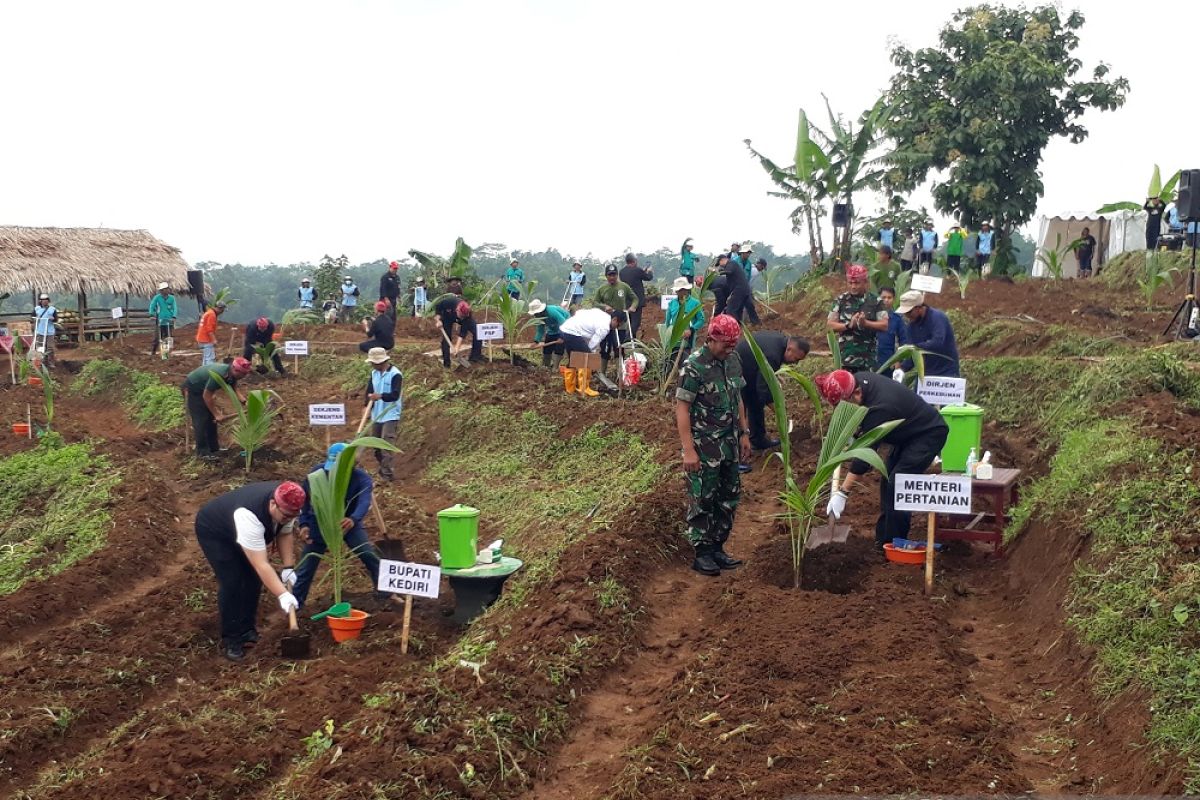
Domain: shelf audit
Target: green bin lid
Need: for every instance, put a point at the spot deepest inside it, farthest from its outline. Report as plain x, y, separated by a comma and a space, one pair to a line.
458, 511
965, 410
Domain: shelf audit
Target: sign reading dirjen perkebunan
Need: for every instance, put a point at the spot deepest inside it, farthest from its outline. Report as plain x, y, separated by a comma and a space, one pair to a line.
940, 494
943, 391
402, 577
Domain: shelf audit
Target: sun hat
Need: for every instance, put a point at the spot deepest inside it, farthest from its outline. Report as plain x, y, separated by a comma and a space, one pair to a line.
536, 306
910, 300
378, 355
835, 386
43, 297
332, 454
746, 248
163, 285
514, 261
240, 367
290, 497
681, 284
347, 278
306, 280
725, 328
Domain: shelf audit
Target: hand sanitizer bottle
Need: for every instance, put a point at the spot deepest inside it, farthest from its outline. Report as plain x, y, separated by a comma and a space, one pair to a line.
971, 461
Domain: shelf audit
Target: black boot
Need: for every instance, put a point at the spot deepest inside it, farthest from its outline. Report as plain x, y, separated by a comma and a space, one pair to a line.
235, 651
704, 563
724, 560
764, 443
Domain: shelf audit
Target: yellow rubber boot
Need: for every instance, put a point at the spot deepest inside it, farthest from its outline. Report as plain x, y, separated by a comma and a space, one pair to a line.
568, 379
584, 379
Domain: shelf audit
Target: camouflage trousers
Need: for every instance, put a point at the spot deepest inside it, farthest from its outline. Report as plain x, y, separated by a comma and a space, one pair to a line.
713, 494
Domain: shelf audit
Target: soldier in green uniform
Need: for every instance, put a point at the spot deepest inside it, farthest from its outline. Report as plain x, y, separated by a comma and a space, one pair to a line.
857, 317
715, 438
613, 297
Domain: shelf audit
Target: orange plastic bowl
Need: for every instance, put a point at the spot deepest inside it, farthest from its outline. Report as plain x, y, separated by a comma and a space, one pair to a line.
900, 556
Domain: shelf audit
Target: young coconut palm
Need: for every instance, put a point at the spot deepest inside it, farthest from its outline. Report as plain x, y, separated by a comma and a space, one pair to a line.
264, 353
253, 419
510, 311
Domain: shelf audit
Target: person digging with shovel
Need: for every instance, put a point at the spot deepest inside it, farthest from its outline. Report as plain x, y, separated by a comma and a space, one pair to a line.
586, 330
383, 395
310, 536
202, 391
915, 442
234, 531
258, 333
711, 421
547, 334
778, 349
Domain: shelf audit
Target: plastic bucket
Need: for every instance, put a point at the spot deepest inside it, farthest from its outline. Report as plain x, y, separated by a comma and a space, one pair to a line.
346, 628
21, 428
34, 380
458, 536
966, 431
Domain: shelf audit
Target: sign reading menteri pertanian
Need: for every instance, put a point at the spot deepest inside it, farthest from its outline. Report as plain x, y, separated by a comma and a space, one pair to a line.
941, 494
327, 414
402, 577
943, 391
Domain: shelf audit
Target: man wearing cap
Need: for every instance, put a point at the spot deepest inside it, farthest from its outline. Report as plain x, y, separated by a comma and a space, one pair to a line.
681, 306
358, 503
547, 332
515, 276
389, 284
381, 329
202, 390
206, 332
687, 261
235, 531
163, 310
44, 330
714, 437
742, 257
983, 248
929, 329
586, 330
306, 294
446, 312
857, 317
576, 280
350, 296
615, 296
260, 333
420, 297
383, 395
740, 299
915, 441
635, 277
778, 349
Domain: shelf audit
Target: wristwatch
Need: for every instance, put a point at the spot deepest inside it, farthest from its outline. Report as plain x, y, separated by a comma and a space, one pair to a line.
745, 432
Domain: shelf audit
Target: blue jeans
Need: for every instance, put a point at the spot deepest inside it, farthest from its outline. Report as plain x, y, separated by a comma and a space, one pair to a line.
208, 354
306, 567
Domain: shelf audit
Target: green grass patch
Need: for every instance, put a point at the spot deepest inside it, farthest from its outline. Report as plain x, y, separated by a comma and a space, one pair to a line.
54, 511
1061, 340
1013, 390
1124, 271
996, 331
154, 405
350, 373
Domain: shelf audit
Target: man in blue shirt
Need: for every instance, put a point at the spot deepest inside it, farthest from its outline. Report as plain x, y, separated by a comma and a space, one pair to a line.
895, 335
929, 243
887, 235
929, 329
983, 249
44, 318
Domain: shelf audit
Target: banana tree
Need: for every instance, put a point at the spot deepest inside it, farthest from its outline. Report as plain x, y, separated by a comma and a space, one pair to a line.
439, 268
254, 419
1164, 192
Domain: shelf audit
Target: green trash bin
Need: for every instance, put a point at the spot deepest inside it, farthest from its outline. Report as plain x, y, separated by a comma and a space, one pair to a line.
458, 536
966, 431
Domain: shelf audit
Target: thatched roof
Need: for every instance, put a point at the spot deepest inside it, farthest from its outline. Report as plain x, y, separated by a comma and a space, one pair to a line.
90, 259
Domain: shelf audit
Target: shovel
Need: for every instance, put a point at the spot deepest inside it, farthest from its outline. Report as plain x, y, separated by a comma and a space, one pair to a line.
335, 610
454, 357
295, 644
829, 532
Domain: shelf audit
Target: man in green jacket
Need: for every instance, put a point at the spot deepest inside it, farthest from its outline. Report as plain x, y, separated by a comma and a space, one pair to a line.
163, 309
614, 297
955, 240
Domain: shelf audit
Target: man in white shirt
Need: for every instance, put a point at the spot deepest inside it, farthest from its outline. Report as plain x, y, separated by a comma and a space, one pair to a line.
583, 333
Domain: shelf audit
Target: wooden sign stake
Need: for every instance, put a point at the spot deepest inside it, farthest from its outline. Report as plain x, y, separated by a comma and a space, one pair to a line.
407, 621
930, 525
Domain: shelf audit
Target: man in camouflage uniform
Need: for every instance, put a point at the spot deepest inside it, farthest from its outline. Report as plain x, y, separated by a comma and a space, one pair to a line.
857, 317
614, 297
715, 438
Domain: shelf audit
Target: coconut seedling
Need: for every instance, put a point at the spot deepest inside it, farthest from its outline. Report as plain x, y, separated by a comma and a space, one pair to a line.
264, 352
327, 494
254, 419
48, 396
510, 310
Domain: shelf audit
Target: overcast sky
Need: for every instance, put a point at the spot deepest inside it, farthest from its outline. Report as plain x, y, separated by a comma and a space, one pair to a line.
261, 132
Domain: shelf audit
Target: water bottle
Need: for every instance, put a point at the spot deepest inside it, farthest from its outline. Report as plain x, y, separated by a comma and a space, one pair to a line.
1195, 318
971, 461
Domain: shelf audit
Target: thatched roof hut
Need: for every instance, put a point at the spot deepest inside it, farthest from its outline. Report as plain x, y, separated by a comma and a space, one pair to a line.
84, 260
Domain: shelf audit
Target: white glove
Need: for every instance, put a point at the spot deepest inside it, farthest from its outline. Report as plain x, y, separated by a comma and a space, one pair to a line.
898, 375
287, 602
288, 576
837, 505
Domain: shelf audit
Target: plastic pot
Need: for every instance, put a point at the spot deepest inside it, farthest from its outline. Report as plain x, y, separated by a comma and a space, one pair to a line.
21, 428
901, 556
35, 380
346, 628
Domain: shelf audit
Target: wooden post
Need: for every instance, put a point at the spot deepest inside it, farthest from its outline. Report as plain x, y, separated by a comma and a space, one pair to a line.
82, 316
123, 322
930, 525
407, 621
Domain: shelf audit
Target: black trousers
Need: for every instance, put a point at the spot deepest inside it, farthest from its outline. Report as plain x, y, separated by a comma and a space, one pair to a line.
476, 345
635, 319
610, 346
238, 585
248, 354
953, 262
204, 425
721, 293
365, 347
754, 413
554, 346
911, 458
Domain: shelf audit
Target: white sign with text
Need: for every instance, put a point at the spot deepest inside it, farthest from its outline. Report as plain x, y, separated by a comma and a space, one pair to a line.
941, 494
489, 331
295, 348
943, 391
118, 312
327, 414
401, 577
926, 283
666, 301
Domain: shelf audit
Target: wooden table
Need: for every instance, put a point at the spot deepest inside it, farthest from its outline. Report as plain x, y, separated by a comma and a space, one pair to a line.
984, 526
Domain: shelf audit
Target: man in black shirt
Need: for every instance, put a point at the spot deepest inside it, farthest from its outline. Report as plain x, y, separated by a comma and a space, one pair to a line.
915, 442
778, 349
258, 333
739, 299
1084, 253
389, 285
635, 276
1154, 209
452, 309
382, 329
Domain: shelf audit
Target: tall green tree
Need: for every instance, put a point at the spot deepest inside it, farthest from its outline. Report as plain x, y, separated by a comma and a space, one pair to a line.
980, 107
329, 276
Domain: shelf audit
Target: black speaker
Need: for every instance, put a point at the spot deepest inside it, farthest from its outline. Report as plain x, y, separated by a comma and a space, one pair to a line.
841, 215
1188, 203
196, 281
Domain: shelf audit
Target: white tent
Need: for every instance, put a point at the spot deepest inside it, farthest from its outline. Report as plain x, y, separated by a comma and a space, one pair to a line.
1115, 233
1127, 232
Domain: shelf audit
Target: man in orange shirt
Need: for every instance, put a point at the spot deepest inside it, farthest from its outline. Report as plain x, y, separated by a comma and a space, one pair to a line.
206, 334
